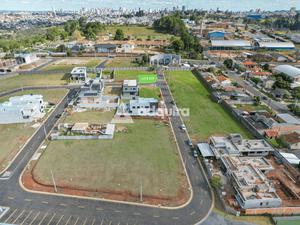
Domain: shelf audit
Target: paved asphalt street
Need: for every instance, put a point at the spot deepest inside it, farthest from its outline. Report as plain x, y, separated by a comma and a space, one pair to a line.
32, 208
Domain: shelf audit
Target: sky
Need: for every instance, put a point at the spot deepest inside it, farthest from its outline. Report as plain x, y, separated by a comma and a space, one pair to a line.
235, 5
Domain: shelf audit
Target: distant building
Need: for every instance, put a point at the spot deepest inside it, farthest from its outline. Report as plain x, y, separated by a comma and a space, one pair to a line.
79, 74
130, 89
165, 59
230, 44
105, 48
275, 45
22, 109
26, 58
126, 48
254, 17
216, 35
292, 72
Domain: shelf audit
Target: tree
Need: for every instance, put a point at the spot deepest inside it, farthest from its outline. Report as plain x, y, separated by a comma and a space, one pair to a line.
76, 36
257, 100
119, 34
178, 45
215, 181
228, 63
266, 67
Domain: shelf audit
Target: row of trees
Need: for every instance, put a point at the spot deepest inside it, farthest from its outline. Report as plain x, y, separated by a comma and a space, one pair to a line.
292, 23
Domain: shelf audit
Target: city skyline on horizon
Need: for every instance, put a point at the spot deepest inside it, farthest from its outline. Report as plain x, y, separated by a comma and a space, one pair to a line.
75, 5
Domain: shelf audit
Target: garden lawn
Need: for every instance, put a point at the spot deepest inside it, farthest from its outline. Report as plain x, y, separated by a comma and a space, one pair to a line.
144, 154
69, 63
14, 136
31, 80
130, 74
207, 117
121, 62
149, 92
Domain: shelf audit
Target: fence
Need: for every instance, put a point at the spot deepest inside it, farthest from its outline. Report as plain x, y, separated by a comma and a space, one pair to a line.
81, 137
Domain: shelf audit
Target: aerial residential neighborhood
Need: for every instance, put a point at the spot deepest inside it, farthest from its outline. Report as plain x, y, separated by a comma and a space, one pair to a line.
149, 113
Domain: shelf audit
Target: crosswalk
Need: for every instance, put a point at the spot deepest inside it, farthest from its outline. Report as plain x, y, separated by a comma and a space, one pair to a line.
34, 217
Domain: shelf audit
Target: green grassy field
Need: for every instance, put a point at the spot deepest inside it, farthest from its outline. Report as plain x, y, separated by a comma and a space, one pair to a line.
149, 92
121, 62
130, 74
31, 80
250, 108
71, 63
145, 153
287, 222
89, 117
206, 117
137, 32
14, 136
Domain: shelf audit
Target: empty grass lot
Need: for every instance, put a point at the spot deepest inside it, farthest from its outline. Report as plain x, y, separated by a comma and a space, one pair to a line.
145, 154
121, 62
31, 80
137, 32
14, 136
206, 117
69, 63
149, 92
129, 74
91, 116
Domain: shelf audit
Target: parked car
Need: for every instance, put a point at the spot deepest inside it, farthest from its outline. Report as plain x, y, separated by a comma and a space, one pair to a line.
189, 142
195, 154
182, 127
57, 116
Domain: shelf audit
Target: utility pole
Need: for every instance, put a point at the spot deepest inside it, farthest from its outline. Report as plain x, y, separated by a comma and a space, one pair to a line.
54, 184
141, 192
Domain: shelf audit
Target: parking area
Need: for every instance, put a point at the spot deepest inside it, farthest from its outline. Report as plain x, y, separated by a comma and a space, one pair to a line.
33, 217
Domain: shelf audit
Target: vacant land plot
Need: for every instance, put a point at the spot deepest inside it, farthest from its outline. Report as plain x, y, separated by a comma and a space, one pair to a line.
121, 62
142, 153
150, 92
137, 32
70, 63
14, 136
206, 117
249, 107
91, 116
31, 80
129, 74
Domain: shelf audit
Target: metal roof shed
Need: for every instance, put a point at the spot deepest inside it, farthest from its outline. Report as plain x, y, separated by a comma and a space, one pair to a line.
205, 150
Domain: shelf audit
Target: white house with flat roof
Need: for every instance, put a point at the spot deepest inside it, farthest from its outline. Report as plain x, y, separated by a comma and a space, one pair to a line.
22, 109
26, 58
79, 74
130, 89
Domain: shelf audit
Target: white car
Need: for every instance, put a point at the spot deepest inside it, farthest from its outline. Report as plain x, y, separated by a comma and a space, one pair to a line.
182, 127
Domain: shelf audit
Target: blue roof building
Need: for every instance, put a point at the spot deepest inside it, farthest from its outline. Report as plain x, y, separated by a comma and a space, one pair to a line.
216, 35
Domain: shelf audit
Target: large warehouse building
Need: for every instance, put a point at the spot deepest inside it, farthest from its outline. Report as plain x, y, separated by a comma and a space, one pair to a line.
230, 44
